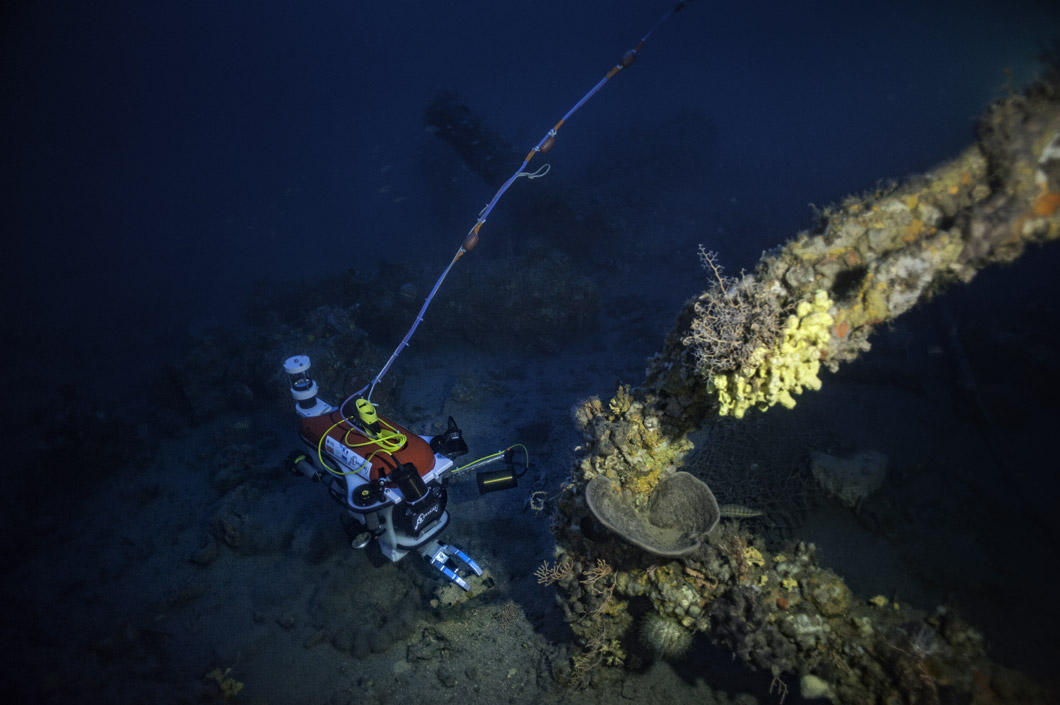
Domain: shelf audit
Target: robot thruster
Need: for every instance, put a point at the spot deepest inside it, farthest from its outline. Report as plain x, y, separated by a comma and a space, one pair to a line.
391, 481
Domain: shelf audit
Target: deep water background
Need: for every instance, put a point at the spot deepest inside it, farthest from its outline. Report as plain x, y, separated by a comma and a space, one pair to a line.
160, 157
162, 162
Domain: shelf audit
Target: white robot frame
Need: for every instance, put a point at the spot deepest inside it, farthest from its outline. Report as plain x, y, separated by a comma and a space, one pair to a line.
372, 503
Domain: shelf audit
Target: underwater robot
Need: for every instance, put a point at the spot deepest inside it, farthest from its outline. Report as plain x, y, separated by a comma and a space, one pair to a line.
391, 481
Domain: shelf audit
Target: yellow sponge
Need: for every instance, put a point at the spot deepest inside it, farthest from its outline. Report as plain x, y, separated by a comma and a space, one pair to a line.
774, 375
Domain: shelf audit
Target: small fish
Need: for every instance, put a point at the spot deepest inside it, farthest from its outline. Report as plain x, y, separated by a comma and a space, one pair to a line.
738, 511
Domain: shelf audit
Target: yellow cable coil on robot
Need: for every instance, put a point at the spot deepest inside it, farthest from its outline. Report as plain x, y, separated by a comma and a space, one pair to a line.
389, 442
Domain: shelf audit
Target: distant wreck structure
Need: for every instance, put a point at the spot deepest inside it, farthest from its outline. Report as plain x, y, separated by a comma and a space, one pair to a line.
869, 260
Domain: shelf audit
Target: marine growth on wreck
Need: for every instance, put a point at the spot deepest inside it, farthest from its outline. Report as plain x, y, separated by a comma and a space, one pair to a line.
870, 258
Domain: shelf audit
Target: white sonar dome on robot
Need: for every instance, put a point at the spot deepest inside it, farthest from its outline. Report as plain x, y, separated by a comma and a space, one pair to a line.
296, 364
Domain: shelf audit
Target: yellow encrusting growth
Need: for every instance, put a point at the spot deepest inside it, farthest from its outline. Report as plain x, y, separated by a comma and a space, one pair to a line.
229, 686
752, 556
776, 374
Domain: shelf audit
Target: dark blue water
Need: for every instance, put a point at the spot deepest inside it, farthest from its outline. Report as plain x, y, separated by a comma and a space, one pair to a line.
159, 158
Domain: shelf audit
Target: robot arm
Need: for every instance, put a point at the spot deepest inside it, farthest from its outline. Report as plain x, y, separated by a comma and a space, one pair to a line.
439, 554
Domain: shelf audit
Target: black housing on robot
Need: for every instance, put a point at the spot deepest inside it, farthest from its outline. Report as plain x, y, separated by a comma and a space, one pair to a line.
450, 442
407, 479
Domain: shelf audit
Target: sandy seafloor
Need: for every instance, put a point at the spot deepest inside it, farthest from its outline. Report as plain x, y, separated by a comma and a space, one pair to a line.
108, 605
